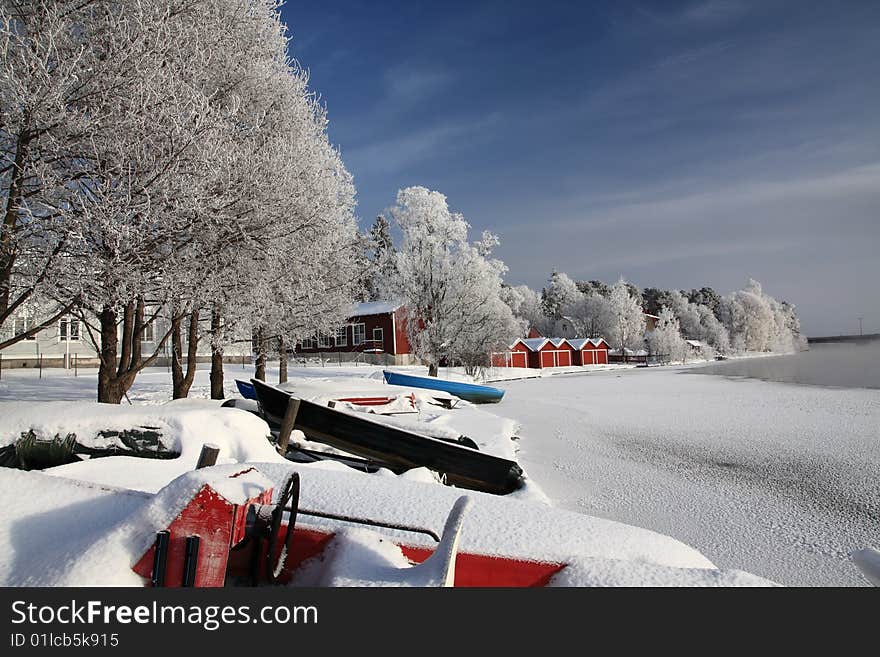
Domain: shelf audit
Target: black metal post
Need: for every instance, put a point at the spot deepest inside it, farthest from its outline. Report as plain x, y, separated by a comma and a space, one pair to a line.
160, 558
191, 561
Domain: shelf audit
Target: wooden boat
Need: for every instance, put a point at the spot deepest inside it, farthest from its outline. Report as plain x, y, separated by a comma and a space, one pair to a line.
245, 389
402, 450
468, 391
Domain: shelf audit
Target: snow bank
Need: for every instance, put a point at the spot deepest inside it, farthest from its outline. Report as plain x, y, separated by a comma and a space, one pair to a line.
185, 426
59, 532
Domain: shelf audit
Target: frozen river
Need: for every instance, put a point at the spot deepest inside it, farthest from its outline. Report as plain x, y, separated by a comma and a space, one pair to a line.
776, 479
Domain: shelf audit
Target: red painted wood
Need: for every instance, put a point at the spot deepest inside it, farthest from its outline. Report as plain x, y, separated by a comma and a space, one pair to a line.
368, 401
211, 518
471, 570
220, 526
481, 570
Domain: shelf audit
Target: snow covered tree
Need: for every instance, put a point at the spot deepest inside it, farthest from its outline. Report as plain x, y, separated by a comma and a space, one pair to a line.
665, 340
526, 306
627, 330
591, 314
560, 292
705, 296
162, 158
756, 321
452, 289
61, 65
381, 255
594, 287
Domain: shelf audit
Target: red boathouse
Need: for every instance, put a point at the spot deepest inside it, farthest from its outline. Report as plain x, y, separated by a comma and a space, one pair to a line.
589, 351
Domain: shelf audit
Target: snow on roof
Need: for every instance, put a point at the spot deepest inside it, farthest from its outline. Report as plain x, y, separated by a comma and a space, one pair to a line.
375, 308
534, 344
580, 343
694, 343
557, 342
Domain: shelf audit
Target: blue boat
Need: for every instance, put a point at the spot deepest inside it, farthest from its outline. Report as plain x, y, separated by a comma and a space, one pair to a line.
246, 389
467, 391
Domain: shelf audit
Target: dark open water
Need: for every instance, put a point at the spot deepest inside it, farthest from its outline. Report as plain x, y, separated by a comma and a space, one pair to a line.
845, 365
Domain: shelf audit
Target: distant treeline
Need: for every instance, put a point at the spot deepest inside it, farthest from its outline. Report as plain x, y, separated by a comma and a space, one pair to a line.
744, 320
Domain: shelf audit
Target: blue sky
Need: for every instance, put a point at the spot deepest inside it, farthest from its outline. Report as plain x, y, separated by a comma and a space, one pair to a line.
678, 144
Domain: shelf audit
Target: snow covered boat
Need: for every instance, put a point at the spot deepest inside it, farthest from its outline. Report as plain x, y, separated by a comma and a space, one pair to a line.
468, 391
403, 450
244, 524
247, 391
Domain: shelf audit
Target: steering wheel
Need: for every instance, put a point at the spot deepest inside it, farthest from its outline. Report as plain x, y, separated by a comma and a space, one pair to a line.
289, 496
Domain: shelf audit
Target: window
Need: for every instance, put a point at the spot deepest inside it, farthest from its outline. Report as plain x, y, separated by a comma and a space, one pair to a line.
68, 330
359, 333
378, 338
308, 343
342, 336
21, 324
324, 341
149, 332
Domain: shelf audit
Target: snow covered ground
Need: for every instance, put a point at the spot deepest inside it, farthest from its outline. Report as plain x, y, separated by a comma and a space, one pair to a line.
778, 480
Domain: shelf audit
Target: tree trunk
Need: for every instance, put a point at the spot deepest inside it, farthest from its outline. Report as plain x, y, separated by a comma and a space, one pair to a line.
182, 382
432, 369
114, 380
176, 355
282, 361
216, 355
260, 362
110, 390
8, 251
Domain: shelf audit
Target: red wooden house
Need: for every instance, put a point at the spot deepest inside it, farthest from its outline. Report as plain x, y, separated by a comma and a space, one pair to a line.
589, 351
376, 327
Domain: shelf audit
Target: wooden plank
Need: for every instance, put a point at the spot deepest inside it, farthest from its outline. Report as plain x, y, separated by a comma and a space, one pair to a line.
288, 424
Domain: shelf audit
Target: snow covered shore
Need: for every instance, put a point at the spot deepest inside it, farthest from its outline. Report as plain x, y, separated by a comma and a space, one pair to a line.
778, 480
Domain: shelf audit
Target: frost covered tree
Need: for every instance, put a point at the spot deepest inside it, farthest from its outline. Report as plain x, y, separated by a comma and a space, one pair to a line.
526, 306
452, 289
560, 292
756, 321
594, 287
627, 329
665, 340
591, 314
60, 68
705, 296
162, 157
381, 256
